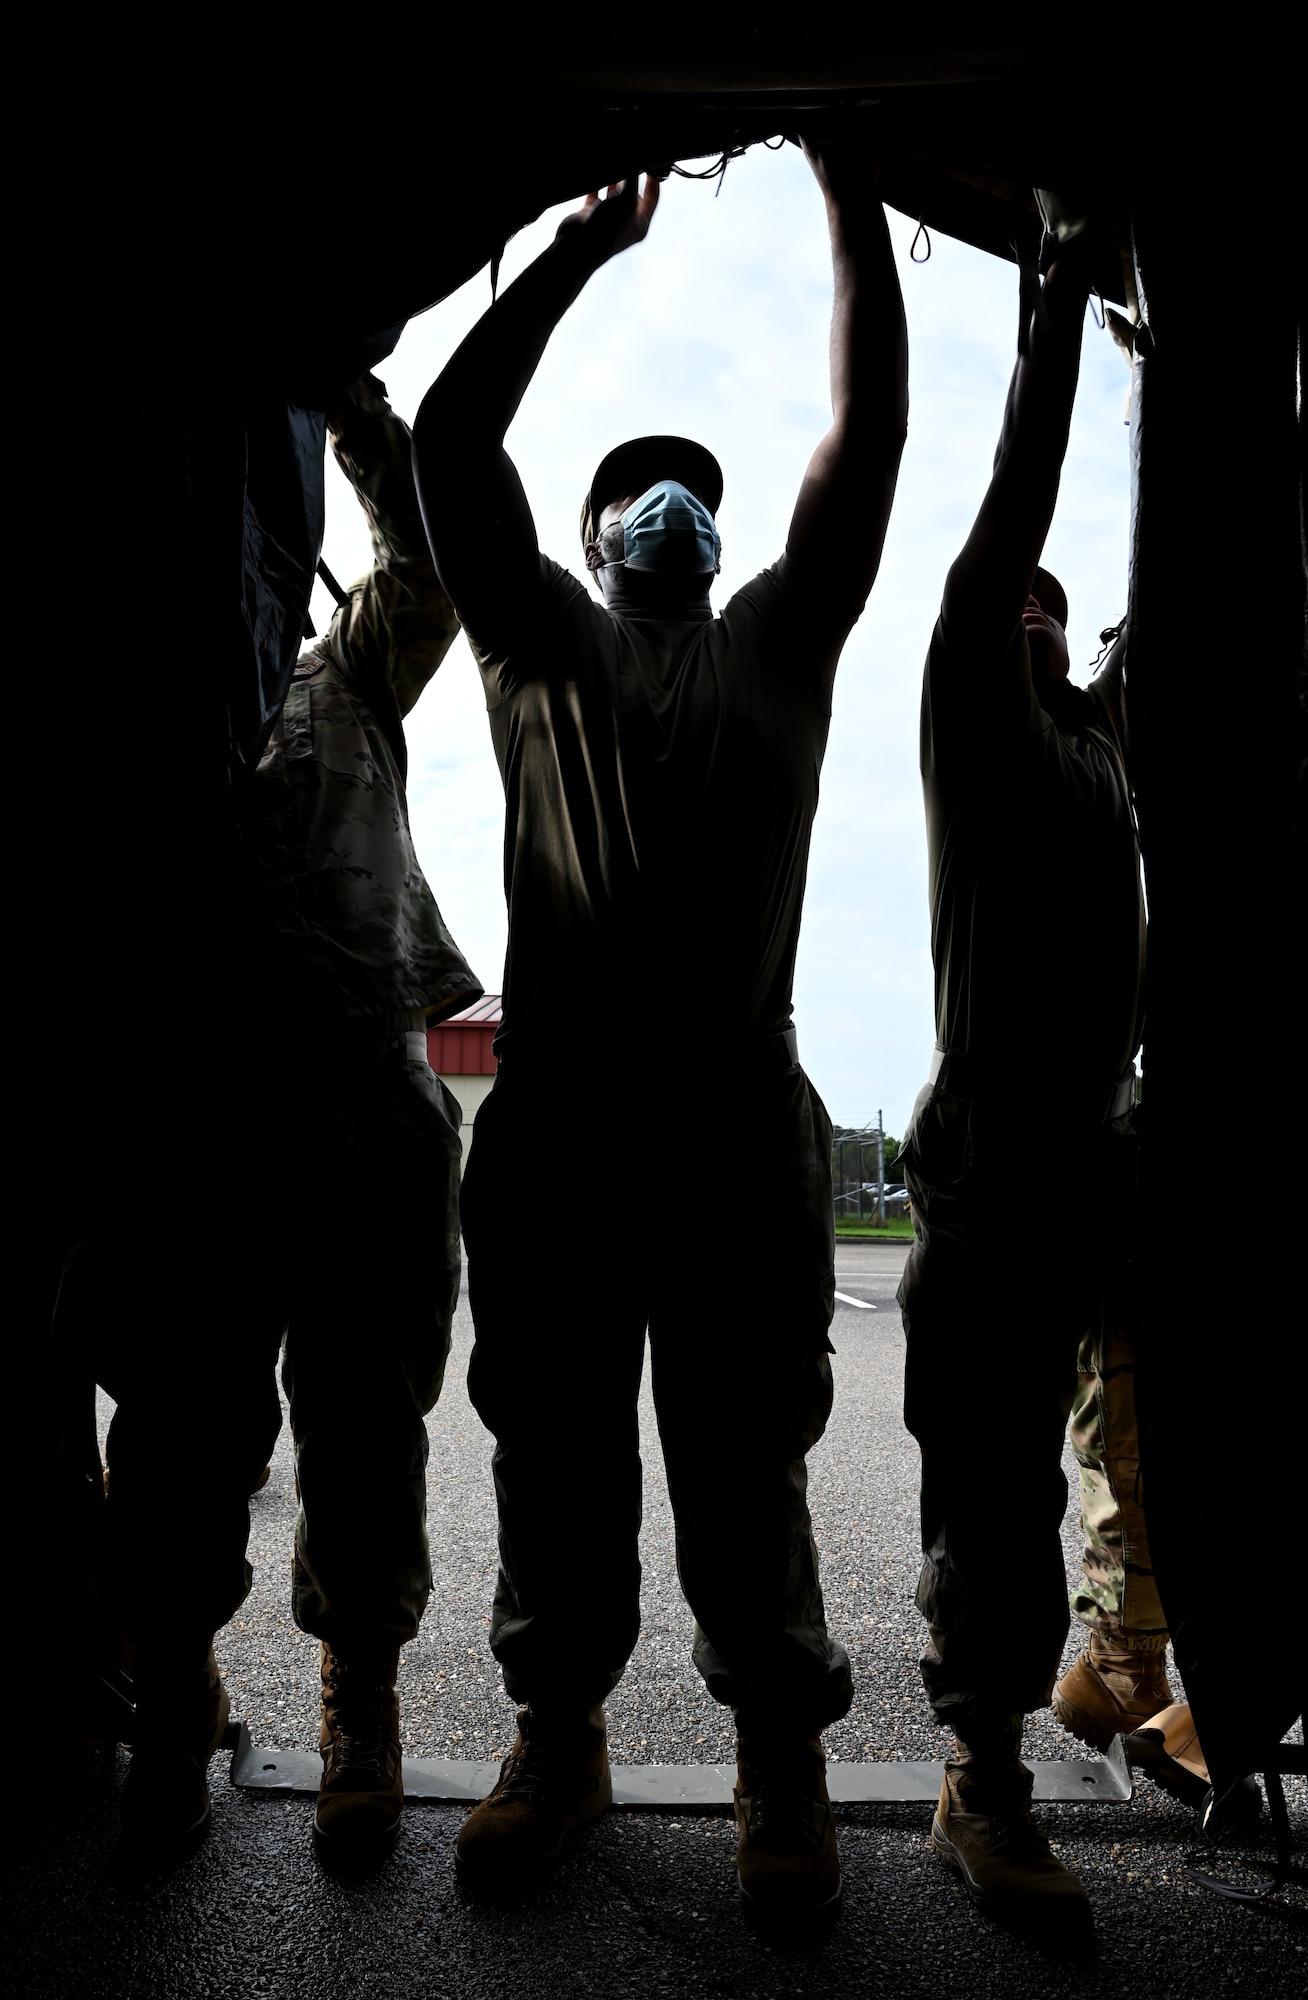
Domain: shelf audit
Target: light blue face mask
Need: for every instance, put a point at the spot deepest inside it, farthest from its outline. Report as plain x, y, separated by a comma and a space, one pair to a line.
670, 531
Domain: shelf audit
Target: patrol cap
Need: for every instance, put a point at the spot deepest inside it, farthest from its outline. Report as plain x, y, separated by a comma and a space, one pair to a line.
1050, 595
631, 467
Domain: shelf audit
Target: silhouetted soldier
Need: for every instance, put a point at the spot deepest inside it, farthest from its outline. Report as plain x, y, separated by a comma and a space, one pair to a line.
661, 771
361, 1141
1037, 923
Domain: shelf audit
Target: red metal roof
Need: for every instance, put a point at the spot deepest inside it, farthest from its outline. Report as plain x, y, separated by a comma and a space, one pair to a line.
487, 1009
461, 1046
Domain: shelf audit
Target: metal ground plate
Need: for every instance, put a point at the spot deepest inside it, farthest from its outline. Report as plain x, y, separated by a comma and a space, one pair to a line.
675, 1787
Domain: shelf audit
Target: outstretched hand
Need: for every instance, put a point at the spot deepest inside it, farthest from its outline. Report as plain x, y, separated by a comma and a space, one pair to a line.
1073, 261
845, 170
614, 224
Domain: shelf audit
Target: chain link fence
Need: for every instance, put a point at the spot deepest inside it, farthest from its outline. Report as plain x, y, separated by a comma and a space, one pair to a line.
864, 1186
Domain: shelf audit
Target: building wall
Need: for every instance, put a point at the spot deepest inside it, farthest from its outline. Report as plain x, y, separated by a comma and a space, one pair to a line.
470, 1091
461, 1052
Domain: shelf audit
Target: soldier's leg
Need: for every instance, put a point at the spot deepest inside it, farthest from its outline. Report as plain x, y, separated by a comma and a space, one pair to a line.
185, 1339
740, 1406
185, 1342
559, 1305
992, 1588
1118, 1595
1119, 1682
990, 1371
377, 1280
557, 1288
375, 1285
743, 1390
990, 1375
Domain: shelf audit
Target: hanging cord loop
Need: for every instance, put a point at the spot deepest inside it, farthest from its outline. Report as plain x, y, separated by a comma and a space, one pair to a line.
718, 171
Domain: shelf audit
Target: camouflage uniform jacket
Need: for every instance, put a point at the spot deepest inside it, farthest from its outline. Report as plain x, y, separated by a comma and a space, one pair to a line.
358, 930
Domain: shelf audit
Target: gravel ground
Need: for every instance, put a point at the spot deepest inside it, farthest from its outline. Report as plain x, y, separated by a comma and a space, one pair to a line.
642, 1902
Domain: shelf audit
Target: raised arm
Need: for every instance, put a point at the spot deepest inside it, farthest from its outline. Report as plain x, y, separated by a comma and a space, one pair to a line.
988, 587
843, 509
478, 520
398, 624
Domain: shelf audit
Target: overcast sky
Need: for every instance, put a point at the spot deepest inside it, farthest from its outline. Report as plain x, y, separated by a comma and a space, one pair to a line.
716, 327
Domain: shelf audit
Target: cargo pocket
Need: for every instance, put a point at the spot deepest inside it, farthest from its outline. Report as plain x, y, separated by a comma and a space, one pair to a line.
938, 1148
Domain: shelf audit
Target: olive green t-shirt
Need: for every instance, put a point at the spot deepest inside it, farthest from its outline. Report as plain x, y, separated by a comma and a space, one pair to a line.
660, 777
1037, 909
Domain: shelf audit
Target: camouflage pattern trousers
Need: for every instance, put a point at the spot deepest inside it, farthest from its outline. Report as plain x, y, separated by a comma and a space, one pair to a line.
182, 1301
564, 1284
1117, 1595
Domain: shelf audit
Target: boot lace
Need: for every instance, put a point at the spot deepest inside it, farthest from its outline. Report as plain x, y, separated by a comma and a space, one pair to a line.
1016, 1832
785, 1810
524, 1774
542, 1771
359, 1716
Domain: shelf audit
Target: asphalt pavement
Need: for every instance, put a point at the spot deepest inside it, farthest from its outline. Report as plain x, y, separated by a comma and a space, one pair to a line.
644, 1903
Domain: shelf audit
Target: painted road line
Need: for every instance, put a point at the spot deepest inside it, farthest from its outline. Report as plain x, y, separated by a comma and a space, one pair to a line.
845, 1300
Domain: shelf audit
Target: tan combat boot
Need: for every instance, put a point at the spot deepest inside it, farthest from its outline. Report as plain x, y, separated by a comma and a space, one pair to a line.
181, 1718
1111, 1689
1168, 1749
555, 1779
361, 1797
984, 1829
786, 1859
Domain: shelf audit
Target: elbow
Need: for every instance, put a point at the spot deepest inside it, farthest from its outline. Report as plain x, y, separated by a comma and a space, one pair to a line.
449, 428
444, 412
442, 437
879, 438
